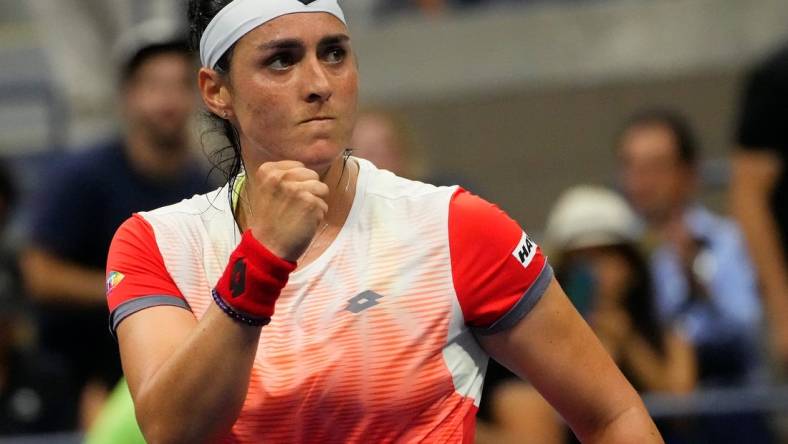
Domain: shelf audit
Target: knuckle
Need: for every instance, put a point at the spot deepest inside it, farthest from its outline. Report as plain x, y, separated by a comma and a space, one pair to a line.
322, 189
266, 168
290, 188
274, 177
307, 197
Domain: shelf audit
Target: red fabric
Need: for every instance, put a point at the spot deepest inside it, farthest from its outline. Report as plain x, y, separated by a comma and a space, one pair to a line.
253, 279
469, 426
488, 278
135, 267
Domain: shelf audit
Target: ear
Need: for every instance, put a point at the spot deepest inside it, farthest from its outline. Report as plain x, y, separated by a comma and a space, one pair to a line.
215, 92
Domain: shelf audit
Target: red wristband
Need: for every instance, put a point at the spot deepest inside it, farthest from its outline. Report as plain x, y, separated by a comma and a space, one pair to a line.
252, 281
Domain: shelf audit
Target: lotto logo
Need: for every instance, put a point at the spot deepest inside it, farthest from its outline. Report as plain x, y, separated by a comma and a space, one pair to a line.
307, 2
525, 250
363, 301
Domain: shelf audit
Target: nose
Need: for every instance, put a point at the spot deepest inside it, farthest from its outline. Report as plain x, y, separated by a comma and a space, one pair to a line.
318, 85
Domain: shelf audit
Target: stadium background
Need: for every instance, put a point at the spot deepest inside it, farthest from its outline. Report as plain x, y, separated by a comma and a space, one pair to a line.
522, 99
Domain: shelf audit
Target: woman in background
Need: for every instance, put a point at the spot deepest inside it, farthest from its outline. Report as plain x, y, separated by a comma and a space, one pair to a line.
592, 235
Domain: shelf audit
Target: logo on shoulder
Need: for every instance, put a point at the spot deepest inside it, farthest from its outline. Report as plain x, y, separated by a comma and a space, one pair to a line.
113, 279
525, 251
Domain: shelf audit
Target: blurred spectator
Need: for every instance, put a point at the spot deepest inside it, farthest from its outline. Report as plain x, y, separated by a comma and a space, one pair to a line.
383, 140
759, 190
705, 282
75, 38
592, 236
89, 195
704, 279
386, 140
429, 7
33, 398
437, 7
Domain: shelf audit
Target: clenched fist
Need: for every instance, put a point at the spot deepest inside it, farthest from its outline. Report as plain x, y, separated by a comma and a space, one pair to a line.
288, 205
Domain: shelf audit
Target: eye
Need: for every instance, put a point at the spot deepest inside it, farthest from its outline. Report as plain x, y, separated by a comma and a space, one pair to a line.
281, 61
335, 55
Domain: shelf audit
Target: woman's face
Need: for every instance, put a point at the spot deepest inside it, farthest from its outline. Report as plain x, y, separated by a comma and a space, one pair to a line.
609, 272
293, 90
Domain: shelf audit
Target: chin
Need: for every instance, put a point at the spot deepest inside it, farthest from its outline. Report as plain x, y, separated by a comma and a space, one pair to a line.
321, 153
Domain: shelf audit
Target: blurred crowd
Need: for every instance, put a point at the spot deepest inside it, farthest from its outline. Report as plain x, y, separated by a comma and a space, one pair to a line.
385, 8
682, 298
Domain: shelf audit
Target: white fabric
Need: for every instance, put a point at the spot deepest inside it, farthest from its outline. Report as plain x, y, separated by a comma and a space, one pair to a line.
394, 242
241, 16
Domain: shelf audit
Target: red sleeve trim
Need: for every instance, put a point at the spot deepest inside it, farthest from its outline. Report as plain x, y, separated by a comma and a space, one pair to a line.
135, 266
494, 263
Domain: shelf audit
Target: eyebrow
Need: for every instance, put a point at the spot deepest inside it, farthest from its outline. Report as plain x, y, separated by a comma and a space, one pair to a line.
298, 43
333, 39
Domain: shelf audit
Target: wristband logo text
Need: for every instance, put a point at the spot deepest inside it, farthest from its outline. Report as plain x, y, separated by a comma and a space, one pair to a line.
238, 278
525, 251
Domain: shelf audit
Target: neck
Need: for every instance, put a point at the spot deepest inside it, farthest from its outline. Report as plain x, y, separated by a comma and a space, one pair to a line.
152, 160
668, 218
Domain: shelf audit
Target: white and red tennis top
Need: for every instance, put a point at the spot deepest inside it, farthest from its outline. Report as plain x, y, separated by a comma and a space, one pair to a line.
374, 340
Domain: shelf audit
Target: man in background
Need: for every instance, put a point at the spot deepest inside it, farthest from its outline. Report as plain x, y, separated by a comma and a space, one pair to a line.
704, 280
759, 188
705, 283
88, 195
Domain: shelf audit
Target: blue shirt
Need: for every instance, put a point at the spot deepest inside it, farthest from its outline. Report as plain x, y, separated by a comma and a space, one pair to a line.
88, 195
731, 316
83, 200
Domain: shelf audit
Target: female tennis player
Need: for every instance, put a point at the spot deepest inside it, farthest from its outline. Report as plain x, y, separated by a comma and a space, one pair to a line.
315, 298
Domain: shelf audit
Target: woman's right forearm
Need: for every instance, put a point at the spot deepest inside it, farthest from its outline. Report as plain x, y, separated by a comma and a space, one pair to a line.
197, 393
196, 385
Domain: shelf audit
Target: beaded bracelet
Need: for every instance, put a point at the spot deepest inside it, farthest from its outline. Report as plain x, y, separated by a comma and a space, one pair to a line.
249, 320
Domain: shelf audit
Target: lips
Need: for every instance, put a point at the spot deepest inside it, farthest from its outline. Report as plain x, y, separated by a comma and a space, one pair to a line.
318, 119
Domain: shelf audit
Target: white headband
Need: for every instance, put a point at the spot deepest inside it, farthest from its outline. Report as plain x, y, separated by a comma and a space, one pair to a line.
241, 16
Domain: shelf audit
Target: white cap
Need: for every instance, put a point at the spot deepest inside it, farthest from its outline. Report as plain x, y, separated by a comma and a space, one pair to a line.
152, 32
590, 216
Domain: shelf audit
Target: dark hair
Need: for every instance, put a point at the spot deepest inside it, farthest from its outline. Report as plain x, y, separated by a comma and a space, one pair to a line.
140, 56
8, 192
638, 301
676, 123
200, 14
228, 158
